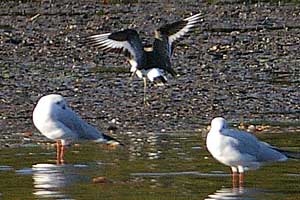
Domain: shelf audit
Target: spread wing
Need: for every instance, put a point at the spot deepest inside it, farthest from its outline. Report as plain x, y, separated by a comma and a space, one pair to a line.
173, 31
127, 41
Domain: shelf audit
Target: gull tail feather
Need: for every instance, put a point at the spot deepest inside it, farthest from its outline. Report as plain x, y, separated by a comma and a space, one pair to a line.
289, 154
109, 140
160, 80
172, 71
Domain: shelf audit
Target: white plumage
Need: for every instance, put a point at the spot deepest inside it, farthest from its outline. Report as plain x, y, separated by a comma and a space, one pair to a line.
54, 119
238, 149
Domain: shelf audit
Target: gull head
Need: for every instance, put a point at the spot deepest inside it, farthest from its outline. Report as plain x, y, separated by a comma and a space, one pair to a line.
218, 124
54, 101
48, 109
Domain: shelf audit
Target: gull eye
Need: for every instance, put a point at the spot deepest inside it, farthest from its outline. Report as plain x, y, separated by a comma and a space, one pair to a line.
61, 105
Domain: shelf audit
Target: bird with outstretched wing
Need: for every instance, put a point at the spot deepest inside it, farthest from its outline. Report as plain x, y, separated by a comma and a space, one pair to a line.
147, 63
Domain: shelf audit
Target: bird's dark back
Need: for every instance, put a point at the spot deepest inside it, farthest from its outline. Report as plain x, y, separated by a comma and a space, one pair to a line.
158, 57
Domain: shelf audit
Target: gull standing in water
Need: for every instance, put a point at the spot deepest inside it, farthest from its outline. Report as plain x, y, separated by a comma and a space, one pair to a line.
241, 150
147, 62
54, 119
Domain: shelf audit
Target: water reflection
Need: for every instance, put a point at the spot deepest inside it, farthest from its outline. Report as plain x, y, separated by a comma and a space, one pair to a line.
192, 173
144, 146
234, 193
172, 171
5, 168
155, 176
49, 180
153, 146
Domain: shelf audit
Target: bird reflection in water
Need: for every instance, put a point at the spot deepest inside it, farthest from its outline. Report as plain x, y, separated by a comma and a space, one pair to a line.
49, 180
234, 193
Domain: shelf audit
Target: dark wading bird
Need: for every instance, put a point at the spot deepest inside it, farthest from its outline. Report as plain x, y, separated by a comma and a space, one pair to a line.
153, 62
54, 119
241, 150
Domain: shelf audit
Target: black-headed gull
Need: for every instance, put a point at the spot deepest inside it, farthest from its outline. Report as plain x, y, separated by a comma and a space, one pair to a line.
54, 119
241, 150
147, 62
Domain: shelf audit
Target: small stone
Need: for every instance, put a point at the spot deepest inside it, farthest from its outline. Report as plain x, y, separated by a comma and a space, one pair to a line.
208, 128
213, 48
113, 146
27, 134
101, 179
251, 128
242, 126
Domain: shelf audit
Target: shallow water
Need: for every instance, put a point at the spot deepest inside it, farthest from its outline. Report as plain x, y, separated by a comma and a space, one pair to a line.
153, 166
238, 64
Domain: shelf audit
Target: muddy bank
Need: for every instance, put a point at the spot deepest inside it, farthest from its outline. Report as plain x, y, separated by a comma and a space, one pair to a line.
242, 62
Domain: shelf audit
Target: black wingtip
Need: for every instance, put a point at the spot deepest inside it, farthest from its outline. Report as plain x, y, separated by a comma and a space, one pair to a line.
172, 72
112, 141
123, 35
289, 154
293, 155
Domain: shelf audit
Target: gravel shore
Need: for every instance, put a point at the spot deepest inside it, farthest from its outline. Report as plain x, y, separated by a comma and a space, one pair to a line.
242, 63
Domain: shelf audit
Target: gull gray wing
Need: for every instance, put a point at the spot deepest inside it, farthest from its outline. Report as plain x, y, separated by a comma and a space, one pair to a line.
269, 153
244, 142
247, 143
78, 126
127, 41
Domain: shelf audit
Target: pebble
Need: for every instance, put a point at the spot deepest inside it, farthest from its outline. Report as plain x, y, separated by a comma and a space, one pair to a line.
27, 134
101, 179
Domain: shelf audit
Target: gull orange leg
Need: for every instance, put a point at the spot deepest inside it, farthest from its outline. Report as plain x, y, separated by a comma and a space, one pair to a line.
242, 178
58, 151
62, 154
234, 177
241, 175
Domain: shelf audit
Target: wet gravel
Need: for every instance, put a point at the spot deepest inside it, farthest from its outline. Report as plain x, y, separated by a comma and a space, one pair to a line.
242, 62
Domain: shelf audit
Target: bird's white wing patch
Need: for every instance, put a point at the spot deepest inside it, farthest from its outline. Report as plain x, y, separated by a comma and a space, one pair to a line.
191, 21
105, 43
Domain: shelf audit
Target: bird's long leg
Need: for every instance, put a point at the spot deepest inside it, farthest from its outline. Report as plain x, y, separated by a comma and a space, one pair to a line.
58, 151
62, 154
145, 91
235, 177
242, 178
132, 76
